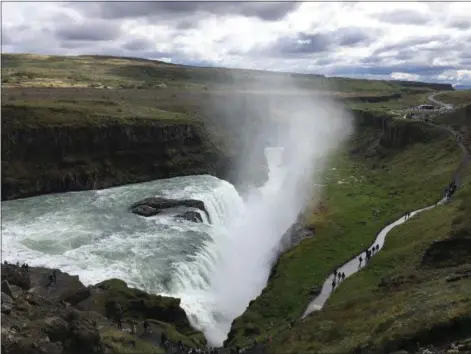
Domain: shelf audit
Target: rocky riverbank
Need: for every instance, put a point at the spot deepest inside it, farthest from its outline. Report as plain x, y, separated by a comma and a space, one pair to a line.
43, 314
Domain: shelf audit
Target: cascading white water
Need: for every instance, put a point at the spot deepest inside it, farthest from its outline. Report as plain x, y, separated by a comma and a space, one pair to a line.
94, 235
216, 269
212, 308
306, 131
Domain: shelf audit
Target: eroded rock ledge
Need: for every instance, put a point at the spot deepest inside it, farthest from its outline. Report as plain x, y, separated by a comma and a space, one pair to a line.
68, 317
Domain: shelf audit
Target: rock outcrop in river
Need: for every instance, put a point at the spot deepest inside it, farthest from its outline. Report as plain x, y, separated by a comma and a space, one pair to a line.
155, 205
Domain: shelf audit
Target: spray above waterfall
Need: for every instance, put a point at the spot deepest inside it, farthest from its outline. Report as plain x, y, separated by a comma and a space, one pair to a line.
215, 269
306, 129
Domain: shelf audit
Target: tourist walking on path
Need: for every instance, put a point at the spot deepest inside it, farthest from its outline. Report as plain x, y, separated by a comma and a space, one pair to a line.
51, 280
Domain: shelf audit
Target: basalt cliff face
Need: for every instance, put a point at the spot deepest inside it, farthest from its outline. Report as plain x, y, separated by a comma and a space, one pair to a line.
41, 159
393, 133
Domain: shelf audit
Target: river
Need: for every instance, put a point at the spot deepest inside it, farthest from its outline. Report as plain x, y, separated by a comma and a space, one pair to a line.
210, 266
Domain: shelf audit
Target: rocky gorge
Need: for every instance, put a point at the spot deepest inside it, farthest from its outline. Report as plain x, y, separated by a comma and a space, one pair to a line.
40, 158
64, 316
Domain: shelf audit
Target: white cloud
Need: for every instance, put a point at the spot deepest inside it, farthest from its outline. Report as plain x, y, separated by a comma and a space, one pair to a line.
404, 76
424, 41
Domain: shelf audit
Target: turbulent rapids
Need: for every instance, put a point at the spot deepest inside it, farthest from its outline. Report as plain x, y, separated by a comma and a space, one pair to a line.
215, 268
94, 235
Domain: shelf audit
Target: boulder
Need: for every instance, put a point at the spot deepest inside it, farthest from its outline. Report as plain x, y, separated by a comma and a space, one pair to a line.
191, 216
56, 329
155, 205
111, 296
7, 289
74, 296
7, 304
145, 210
82, 335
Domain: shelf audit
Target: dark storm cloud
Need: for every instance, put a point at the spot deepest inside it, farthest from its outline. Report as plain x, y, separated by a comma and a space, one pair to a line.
320, 42
269, 11
93, 30
407, 17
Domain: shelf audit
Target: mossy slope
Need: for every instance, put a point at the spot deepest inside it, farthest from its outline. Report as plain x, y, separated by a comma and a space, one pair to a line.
363, 195
400, 301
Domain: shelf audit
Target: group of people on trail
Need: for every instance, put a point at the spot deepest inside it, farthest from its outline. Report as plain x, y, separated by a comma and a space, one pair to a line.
406, 215
368, 254
338, 277
450, 189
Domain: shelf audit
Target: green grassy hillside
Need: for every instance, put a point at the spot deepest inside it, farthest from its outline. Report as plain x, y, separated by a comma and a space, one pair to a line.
28, 70
402, 300
74, 123
363, 194
455, 97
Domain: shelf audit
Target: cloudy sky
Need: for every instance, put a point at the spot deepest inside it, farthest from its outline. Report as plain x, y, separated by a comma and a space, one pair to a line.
417, 41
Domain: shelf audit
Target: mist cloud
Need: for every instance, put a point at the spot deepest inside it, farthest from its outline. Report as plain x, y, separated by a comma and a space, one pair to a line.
304, 131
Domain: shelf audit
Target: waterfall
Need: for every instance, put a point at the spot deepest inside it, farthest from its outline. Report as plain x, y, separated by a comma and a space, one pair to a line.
94, 235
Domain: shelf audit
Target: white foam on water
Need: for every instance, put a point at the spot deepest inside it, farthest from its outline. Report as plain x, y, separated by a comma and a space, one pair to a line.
94, 235
215, 268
